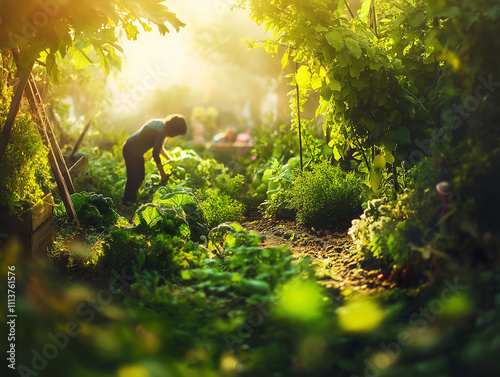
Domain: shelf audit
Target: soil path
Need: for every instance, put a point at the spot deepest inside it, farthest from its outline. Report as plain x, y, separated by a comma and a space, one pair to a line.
330, 250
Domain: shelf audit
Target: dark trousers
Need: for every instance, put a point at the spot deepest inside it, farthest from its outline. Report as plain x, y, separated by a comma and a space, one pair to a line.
135, 174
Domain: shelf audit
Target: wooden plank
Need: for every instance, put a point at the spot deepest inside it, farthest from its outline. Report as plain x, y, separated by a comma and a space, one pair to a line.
24, 74
27, 223
77, 165
42, 238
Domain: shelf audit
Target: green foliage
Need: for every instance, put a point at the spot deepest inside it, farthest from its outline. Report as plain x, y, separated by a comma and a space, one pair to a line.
24, 169
136, 250
325, 195
252, 271
273, 147
219, 207
379, 88
158, 241
183, 199
93, 210
382, 230
75, 29
467, 43
279, 179
105, 173
121, 250
153, 218
272, 141
219, 193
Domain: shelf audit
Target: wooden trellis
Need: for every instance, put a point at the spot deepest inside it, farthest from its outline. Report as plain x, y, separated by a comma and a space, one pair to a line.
56, 159
57, 163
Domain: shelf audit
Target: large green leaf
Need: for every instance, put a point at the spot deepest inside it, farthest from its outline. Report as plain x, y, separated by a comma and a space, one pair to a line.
402, 135
335, 40
353, 47
417, 18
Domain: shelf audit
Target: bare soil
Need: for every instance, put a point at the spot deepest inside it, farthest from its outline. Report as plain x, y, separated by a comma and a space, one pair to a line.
330, 250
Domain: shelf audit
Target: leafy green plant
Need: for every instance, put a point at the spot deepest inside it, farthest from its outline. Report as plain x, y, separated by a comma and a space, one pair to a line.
105, 173
24, 169
273, 142
93, 210
158, 242
325, 195
251, 270
182, 198
279, 179
158, 218
219, 207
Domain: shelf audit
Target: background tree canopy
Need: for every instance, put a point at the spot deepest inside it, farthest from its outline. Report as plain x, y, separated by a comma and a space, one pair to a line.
50, 30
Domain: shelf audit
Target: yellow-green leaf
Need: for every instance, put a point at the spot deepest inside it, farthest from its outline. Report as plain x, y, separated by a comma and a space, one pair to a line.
316, 82
379, 162
303, 76
375, 180
335, 85
284, 60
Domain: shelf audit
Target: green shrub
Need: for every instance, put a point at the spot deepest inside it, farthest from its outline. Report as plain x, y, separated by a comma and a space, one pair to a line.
405, 229
24, 168
325, 195
385, 231
219, 207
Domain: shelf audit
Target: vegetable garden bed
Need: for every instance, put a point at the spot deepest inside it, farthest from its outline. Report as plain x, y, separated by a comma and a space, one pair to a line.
34, 229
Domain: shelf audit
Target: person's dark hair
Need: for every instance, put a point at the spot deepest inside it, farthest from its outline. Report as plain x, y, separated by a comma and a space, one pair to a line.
176, 125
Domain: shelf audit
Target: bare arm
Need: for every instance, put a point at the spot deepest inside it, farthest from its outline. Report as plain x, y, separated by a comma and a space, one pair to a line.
164, 153
156, 157
161, 151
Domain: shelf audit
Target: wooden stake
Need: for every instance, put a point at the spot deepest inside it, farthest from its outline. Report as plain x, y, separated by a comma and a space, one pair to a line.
50, 144
298, 117
80, 139
51, 135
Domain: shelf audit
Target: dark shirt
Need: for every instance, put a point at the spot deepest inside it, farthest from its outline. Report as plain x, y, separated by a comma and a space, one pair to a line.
151, 135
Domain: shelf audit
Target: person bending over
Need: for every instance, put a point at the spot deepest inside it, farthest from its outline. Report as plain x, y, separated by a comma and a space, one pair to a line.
152, 134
